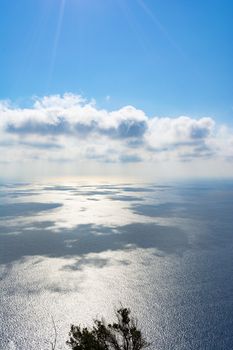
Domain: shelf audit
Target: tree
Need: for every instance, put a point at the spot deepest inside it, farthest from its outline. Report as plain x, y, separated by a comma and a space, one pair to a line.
121, 335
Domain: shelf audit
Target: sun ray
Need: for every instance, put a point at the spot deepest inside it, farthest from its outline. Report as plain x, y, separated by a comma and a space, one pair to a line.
56, 39
160, 27
135, 27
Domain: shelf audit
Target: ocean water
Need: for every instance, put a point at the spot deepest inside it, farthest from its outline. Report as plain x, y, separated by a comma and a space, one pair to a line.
73, 251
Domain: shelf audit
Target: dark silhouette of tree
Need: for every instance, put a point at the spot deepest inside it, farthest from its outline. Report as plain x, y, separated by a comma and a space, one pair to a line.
121, 335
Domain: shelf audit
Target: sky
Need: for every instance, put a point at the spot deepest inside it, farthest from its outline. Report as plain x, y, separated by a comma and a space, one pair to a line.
116, 87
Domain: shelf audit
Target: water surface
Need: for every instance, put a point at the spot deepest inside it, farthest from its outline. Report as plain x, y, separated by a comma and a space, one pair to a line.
75, 251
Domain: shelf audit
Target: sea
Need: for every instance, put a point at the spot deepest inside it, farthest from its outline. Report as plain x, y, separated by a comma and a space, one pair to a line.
72, 251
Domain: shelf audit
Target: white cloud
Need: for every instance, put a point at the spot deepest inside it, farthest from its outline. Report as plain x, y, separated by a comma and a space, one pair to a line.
181, 130
71, 128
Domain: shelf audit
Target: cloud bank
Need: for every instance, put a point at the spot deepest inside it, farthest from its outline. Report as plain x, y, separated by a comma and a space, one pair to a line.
69, 128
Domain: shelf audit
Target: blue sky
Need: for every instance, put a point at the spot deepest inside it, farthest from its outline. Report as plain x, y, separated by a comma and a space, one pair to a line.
166, 57
103, 86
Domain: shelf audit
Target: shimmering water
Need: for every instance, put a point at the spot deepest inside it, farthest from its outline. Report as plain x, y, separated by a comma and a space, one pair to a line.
75, 251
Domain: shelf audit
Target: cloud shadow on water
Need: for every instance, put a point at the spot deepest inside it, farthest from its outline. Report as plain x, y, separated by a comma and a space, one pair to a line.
40, 240
159, 210
23, 209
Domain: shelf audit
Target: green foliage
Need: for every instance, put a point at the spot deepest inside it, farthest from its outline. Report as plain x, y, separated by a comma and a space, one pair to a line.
121, 335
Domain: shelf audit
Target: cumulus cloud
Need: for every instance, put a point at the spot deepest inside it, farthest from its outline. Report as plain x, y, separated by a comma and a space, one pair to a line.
70, 127
182, 130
